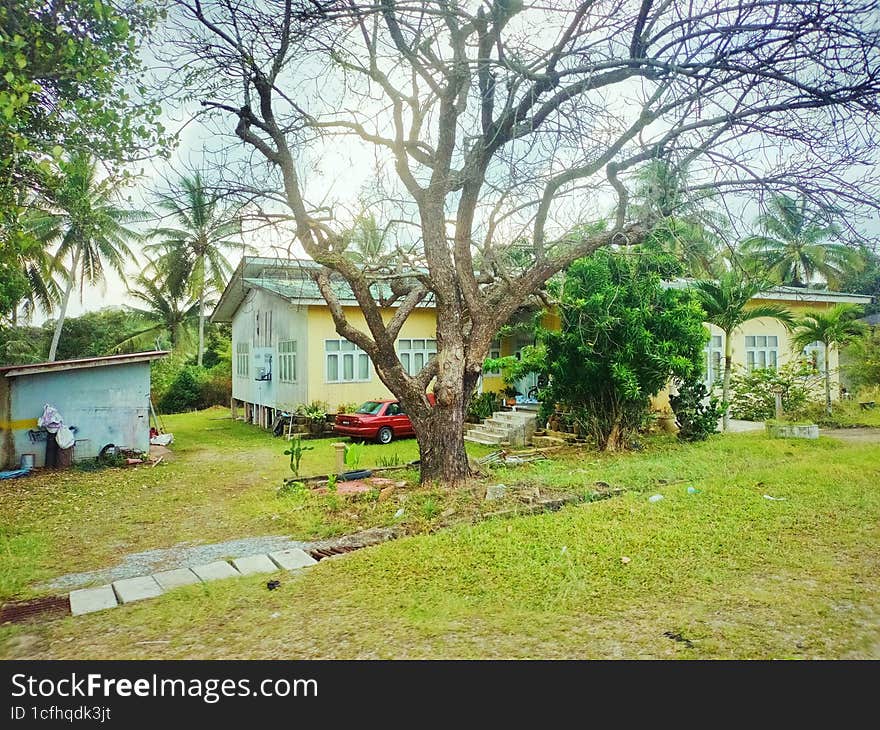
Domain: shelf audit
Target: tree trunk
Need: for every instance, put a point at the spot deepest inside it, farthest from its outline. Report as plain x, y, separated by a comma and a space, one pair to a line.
827, 380
56, 337
725, 389
441, 447
201, 325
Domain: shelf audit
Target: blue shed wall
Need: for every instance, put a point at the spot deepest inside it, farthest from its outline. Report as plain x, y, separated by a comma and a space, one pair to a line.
108, 404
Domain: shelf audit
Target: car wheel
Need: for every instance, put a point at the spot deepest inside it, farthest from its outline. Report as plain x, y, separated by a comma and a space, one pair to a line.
385, 435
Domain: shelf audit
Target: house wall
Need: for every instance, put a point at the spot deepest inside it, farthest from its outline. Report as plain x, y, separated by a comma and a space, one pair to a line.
787, 353
421, 324
288, 322
107, 405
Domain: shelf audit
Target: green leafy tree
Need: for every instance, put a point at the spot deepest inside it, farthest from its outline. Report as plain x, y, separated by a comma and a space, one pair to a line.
93, 334
683, 227
863, 355
70, 84
623, 336
163, 312
833, 327
865, 280
191, 251
796, 244
727, 304
89, 228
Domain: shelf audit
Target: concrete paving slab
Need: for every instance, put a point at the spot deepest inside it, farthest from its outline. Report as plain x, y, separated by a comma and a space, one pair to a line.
252, 564
215, 571
129, 590
169, 579
89, 600
292, 559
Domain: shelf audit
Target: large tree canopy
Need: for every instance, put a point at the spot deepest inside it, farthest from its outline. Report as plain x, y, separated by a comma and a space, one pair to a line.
501, 121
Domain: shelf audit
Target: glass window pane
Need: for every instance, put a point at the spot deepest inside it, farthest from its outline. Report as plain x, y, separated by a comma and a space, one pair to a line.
404, 344
761, 341
346, 345
716, 340
771, 358
333, 368
773, 341
332, 345
418, 361
418, 344
363, 367
348, 367
762, 358
750, 340
404, 360
432, 344
750, 360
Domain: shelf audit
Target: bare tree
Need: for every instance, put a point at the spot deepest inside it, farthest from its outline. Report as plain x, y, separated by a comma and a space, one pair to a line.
504, 120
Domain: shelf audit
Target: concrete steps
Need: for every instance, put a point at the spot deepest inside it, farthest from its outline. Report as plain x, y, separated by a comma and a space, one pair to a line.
507, 428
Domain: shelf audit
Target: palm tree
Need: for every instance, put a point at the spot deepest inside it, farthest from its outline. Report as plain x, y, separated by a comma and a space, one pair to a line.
726, 304
165, 311
191, 252
796, 244
89, 229
832, 327
683, 227
367, 241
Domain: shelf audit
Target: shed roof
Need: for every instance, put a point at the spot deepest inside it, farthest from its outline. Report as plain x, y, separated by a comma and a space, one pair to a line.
11, 371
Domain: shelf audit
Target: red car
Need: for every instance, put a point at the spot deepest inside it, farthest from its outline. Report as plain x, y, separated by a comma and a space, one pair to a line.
380, 420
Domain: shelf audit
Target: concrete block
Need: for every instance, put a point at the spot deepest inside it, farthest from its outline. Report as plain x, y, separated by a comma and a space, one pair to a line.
215, 571
254, 564
89, 600
169, 579
292, 559
129, 590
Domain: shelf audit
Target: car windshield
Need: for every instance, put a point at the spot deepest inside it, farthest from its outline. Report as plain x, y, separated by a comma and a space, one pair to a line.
371, 407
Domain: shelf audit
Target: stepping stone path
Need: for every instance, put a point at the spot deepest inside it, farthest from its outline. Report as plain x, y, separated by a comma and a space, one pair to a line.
128, 590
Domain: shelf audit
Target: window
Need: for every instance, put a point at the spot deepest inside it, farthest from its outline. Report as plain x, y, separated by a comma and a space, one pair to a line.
263, 329
242, 359
287, 361
713, 360
494, 354
394, 409
414, 354
761, 351
346, 362
814, 354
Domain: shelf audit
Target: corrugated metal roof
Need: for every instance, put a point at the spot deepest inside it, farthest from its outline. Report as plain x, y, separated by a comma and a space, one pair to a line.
11, 371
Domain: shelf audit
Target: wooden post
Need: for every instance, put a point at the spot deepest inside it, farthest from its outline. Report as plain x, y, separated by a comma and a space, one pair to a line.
778, 406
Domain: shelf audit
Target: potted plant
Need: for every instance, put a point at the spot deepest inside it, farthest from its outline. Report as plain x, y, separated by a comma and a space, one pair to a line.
510, 394
317, 416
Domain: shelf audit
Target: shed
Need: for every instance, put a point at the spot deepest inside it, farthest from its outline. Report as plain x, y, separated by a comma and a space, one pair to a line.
105, 399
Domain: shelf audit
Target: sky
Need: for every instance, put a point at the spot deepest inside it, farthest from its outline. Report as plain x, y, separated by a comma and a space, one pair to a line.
339, 172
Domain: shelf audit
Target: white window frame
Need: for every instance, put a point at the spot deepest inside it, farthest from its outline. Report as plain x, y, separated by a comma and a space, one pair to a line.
409, 353
242, 359
761, 353
713, 359
287, 361
814, 354
344, 349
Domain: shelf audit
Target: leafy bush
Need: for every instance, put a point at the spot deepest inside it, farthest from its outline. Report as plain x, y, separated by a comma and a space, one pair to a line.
863, 356
483, 405
177, 388
623, 336
753, 394
697, 417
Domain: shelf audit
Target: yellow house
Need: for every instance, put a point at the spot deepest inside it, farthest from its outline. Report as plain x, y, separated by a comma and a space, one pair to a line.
287, 352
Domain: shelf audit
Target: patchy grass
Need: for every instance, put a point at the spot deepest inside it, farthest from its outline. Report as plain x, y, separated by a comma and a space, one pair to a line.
221, 483
737, 575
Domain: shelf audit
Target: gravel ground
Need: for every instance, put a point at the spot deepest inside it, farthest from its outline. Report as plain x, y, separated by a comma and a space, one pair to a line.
186, 555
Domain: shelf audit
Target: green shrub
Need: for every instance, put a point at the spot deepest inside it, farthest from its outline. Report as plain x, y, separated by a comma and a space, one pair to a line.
753, 394
483, 405
696, 417
184, 394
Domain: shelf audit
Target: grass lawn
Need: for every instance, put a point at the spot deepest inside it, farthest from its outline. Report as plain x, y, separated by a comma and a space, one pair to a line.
222, 483
730, 573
